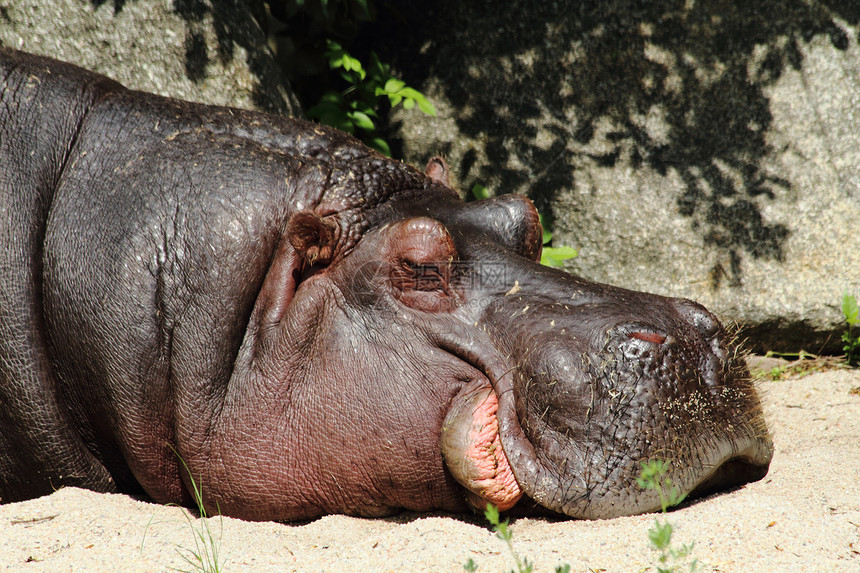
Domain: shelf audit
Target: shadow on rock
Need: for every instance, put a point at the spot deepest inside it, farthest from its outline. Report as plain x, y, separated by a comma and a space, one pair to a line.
228, 18
668, 85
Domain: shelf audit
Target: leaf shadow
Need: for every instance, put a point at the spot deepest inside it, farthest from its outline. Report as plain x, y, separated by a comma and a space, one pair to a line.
545, 88
230, 21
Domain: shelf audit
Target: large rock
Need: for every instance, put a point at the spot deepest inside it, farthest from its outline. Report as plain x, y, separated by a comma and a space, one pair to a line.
709, 150
211, 51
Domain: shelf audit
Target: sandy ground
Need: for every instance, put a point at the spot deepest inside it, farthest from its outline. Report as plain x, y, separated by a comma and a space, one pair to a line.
804, 516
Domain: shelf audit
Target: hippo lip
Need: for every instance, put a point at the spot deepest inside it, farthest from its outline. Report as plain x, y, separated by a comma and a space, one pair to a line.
473, 436
473, 451
517, 455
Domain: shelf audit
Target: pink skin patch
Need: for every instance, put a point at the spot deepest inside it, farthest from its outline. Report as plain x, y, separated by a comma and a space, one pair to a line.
491, 479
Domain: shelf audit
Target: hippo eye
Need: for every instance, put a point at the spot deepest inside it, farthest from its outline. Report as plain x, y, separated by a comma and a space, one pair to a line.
421, 277
421, 254
423, 286
426, 277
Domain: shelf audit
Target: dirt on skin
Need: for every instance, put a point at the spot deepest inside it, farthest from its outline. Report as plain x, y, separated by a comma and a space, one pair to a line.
804, 516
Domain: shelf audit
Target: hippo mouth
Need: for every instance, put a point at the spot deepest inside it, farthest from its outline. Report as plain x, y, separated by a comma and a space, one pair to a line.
493, 458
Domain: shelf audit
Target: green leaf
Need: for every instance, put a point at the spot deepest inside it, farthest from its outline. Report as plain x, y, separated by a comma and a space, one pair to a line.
323, 108
547, 236
339, 122
354, 64
351, 78
410, 93
363, 107
470, 565
332, 97
479, 191
652, 471
351, 64
426, 107
419, 98
674, 497
492, 514
361, 120
660, 535
555, 256
329, 113
408, 103
502, 531
335, 54
850, 309
380, 145
394, 85
377, 64
335, 117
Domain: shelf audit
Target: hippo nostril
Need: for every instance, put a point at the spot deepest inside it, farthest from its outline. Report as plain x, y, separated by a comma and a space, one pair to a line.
652, 337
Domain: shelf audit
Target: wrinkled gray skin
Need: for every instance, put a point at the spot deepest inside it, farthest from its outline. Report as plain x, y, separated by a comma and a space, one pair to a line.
310, 326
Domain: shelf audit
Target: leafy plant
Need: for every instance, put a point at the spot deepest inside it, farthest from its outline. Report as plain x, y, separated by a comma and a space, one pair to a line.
550, 256
852, 317
355, 109
312, 39
504, 533
652, 477
671, 559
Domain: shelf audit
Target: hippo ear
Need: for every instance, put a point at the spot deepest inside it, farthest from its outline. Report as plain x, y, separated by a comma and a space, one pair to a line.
437, 170
313, 238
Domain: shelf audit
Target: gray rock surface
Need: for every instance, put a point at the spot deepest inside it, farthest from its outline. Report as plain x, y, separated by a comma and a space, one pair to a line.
211, 51
698, 149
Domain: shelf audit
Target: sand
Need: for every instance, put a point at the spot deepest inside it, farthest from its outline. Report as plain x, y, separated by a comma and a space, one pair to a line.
804, 516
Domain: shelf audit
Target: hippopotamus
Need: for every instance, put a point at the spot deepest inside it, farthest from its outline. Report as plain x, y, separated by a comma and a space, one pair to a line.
267, 310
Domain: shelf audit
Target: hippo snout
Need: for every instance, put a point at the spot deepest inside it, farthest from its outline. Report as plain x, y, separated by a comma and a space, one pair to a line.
593, 394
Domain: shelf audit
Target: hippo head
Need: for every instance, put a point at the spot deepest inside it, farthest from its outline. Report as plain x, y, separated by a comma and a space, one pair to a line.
437, 363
